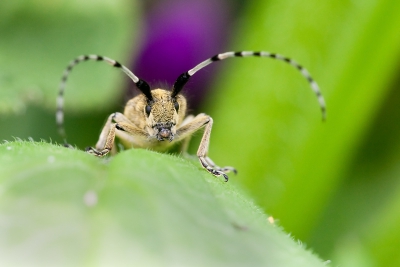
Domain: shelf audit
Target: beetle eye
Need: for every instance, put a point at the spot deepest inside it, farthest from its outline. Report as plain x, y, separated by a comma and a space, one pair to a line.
176, 105
148, 110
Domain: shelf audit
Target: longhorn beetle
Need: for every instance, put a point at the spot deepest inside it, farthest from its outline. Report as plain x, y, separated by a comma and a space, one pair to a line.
156, 120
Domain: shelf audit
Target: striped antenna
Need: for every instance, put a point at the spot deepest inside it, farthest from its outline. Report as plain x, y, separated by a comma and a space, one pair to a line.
184, 77
141, 85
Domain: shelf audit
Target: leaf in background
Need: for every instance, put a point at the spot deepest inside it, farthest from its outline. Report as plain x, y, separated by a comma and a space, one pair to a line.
39, 38
266, 120
65, 207
363, 213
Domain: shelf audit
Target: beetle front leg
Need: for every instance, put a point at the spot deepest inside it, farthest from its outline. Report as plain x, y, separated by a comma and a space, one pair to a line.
205, 161
105, 144
192, 126
224, 169
108, 142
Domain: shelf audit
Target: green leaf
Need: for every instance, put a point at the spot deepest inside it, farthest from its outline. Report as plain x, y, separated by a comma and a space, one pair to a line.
266, 119
329, 182
364, 211
40, 38
67, 208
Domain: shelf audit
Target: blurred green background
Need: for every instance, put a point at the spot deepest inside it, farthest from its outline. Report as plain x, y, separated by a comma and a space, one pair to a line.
334, 185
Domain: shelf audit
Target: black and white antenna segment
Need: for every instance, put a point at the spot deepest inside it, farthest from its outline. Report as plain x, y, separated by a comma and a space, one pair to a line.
181, 80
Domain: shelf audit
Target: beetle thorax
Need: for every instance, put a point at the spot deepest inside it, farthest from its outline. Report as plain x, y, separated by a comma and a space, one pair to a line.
162, 110
163, 117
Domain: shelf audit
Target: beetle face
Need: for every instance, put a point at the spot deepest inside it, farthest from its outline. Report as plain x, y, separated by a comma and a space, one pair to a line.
163, 113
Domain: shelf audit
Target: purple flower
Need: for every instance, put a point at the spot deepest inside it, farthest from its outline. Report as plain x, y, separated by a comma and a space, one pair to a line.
178, 35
